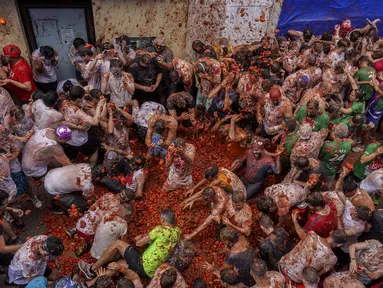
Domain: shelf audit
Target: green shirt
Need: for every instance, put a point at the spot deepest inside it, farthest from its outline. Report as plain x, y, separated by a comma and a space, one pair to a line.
363, 170
352, 129
357, 108
289, 142
332, 154
163, 239
319, 122
366, 74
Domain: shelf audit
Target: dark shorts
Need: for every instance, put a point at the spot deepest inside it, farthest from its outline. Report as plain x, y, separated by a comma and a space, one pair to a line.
133, 258
5, 259
21, 182
45, 87
48, 272
86, 149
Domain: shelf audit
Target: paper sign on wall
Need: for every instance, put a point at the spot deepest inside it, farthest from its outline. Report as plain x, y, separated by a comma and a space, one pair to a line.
67, 35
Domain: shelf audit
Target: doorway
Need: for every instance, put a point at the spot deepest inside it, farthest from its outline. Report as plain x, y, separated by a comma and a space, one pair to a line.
57, 25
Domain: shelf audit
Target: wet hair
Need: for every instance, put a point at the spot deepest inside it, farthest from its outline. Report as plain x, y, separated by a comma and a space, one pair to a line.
315, 199
207, 193
326, 48
363, 59
77, 42
229, 235
363, 213
76, 92
168, 278
17, 113
139, 160
259, 267
169, 216
159, 126
199, 283
211, 171
198, 44
229, 276
67, 85
174, 74
275, 67
340, 66
349, 184
318, 47
311, 59
115, 63
343, 43
333, 107
50, 98
358, 119
326, 36
360, 94
276, 80
107, 46
36, 95
124, 282
238, 198
47, 51
264, 204
95, 94
266, 85
265, 221
302, 162
3, 196
265, 73
183, 261
104, 282
310, 274
84, 51
290, 123
179, 142
313, 102
339, 236
355, 35
54, 246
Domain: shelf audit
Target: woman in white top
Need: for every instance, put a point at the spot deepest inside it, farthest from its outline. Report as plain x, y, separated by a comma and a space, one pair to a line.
44, 113
43, 61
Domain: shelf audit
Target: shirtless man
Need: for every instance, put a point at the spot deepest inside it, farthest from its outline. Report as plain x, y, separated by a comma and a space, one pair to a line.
342, 279
313, 251
232, 132
294, 85
217, 199
238, 215
161, 133
180, 160
44, 147
264, 278
319, 93
275, 107
181, 106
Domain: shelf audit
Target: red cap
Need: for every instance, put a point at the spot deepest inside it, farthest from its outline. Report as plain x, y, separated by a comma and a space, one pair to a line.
275, 93
12, 50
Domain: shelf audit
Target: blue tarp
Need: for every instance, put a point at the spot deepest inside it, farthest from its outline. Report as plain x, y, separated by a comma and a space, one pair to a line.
322, 15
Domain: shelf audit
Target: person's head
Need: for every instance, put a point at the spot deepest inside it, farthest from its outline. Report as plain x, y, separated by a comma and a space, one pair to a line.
127, 195
276, 67
208, 194
52, 247
12, 53
37, 94
174, 76
265, 73
179, 142
199, 283
340, 131
266, 224
358, 119
168, 217
179, 99
116, 68
159, 44
307, 34
229, 236
238, 201
264, 204
77, 42
333, 110
289, 124
257, 145
305, 131
311, 60
258, 268
310, 276
50, 98
275, 95
339, 67
355, 35
168, 278
67, 85
106, 47
95, 94
104, 282
266, 85
85, 53
198, 46
315, 201
326, 48
76, 93
312, 108
3, 200
318, 48
47, 52
326, 36
184, 260
337, 238
362, 213
17, 114
358, 95
211, 172
302, 162
343, 44
144, 60
229, 276
124, 282
63, 134
363, 61
159, 126
349, 186
138, 162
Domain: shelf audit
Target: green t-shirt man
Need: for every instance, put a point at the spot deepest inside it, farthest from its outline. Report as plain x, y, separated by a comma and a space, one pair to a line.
332, 154
163, 239
366, 74
319, 122
357, 108
360, 170
289, 142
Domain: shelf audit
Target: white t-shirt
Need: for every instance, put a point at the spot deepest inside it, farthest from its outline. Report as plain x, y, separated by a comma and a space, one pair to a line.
6, 103
49, 74
60, 85
45, 116
93, 77
69, 179
356, 226
373, 182
107, 232
148, 109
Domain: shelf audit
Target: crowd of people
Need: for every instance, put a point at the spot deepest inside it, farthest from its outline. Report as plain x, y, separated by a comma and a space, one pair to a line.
303, 111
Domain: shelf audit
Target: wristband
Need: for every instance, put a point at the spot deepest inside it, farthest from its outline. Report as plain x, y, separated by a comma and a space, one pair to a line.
122, 269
